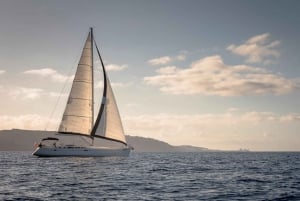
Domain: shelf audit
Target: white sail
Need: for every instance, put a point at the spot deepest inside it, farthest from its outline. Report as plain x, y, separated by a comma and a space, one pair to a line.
110, 126
78, 114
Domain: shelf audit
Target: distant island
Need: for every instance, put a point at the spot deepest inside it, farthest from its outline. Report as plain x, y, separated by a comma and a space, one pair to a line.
23, 140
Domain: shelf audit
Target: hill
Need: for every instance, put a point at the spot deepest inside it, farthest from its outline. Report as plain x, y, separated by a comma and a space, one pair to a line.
23, 140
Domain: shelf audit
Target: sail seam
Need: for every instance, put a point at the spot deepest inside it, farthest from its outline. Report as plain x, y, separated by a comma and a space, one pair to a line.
70, 115
88, 82
85, 63
80, 98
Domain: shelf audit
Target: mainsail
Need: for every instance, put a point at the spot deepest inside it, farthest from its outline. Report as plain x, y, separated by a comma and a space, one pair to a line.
78, 117
78, 114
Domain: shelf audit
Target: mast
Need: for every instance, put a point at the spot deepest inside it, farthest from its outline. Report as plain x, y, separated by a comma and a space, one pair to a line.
92, 55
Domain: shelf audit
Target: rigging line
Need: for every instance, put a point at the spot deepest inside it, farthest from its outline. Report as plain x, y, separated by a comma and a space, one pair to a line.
83, 99
83, 81
93, 92
59, 97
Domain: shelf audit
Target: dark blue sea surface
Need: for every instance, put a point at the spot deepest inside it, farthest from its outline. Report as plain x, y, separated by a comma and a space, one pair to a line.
152, 176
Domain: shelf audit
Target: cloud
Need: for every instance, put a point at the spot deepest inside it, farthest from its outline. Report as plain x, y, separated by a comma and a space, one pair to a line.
28, 122
49, 72
257, 49
193, 124
99, 85
167, 70
167, 59
163, 124
115, 67
109, 66
55, 94
181, 57
25, 93
229, 130
160, 60
2, 72
210, 76
290, 117
121, 84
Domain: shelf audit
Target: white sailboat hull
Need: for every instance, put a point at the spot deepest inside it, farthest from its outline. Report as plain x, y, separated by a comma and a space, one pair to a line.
81, 151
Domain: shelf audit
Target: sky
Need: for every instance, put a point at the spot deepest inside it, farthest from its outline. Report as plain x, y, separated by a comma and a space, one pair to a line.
216, 74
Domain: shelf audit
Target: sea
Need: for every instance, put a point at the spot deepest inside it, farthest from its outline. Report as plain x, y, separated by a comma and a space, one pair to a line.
152, 176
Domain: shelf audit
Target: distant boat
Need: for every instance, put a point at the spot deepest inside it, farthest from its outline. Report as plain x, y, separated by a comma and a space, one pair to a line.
78, 117
243, 150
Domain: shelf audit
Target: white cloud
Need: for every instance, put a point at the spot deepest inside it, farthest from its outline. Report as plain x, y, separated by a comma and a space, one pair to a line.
49, 72
121, 84
257, 49
55, 94
167, 70
210, 76
109, 66
234, 109
160, 60
229, 130
181, 57
167, 59
192, 124
2, 72
27, 121
290, 117
25, 93
99, 85
115, 67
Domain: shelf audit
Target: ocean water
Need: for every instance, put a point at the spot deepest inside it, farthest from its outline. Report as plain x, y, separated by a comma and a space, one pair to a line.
152, 176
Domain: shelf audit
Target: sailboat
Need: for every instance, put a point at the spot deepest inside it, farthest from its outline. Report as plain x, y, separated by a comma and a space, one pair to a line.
78, 116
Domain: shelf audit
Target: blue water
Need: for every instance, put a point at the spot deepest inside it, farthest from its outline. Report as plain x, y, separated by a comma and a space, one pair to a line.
152, 176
